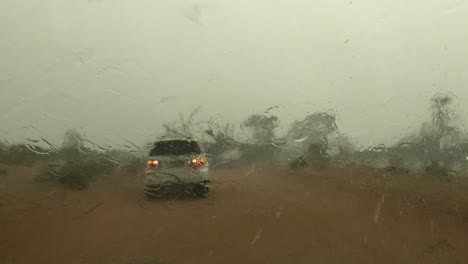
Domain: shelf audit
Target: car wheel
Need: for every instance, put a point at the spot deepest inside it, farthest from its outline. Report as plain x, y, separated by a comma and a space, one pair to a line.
154, 191
201, 190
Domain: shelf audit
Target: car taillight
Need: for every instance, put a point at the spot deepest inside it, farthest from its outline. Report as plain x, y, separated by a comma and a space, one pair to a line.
197, 162
153, 163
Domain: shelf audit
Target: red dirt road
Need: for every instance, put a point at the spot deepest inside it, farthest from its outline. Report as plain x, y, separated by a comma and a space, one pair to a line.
253, 215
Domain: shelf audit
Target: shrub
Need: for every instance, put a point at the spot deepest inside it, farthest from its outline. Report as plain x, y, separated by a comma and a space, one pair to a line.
20, 154
77, 173
79, 165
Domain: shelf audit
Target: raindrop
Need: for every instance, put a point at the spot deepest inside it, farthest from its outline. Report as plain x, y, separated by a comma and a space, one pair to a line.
36, 150
300, 140
279, 212
378, 209
33, 140
256, 237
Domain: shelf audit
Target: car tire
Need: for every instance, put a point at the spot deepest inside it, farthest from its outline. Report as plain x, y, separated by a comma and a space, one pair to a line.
201, 190
154, 191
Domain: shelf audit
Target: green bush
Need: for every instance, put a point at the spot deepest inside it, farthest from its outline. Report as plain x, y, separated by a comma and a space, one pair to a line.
77, 173
79, 165
20, 154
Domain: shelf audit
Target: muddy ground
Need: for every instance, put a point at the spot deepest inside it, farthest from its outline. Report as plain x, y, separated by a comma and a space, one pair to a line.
258, 214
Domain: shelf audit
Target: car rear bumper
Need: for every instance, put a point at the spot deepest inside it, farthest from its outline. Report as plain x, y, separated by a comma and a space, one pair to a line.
176, 176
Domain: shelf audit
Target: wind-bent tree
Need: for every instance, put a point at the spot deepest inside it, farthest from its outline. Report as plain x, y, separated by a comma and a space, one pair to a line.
262, 127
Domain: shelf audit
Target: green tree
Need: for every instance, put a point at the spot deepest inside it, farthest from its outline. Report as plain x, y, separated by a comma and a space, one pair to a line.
262, 127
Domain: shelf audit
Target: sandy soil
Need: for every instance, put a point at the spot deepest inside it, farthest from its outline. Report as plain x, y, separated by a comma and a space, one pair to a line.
258, 214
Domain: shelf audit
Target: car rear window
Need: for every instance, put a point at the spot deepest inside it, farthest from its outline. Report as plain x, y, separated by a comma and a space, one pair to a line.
175, 147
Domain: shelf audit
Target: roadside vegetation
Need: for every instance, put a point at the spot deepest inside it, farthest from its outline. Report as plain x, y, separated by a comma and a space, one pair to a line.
439, 147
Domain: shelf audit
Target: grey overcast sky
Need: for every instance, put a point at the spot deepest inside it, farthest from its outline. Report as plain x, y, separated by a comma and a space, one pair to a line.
119, 68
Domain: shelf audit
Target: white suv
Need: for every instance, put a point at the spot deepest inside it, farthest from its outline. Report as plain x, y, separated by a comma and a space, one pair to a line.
176, 166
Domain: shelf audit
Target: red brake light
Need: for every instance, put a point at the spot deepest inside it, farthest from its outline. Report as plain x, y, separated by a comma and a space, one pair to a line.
153, 163
197, 162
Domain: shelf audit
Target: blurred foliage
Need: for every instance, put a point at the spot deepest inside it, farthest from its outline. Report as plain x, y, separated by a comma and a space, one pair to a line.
314, 128
134, 165
183, 128
262, 127
311, 138
439, 147
79, 164
441, 144
20, 154
298, 162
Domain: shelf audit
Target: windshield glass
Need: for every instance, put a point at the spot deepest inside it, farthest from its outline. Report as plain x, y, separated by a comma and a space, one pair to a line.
175, 147
326, 131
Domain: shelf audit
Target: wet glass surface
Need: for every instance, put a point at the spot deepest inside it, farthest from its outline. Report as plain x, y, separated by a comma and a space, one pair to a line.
328, 131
